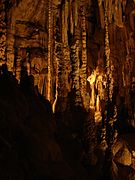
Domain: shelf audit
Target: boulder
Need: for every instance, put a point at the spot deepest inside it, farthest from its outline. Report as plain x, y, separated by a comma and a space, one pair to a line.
123, 156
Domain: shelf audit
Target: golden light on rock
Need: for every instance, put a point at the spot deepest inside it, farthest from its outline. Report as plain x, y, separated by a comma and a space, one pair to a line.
67, 89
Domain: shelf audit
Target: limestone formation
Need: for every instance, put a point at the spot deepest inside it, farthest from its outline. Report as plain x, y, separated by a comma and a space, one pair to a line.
79, 55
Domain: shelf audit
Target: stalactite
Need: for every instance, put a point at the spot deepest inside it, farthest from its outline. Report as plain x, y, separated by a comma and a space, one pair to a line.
61, 94
66, 56
28, 68
83, 68
109, 65
132, 22
62, 61
108, 4
10, 52
58, 49
57, 79
66, 23
55, 62
101, 13
63, 22
18, 64
118, 13
127, 67
108, 70
65, 13
110, 110
71, 18
50, 23
3, 32
76, 12
110, 11
75, 72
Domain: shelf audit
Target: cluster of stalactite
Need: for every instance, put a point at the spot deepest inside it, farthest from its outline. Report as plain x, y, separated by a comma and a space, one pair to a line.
67, 61
110, 25
74, 46
70, 62
117, 28
118, 62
